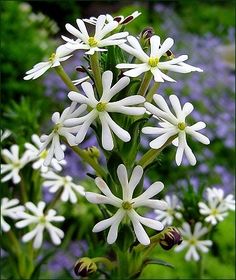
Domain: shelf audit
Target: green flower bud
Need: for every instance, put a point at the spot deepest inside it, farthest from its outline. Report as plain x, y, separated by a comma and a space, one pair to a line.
93, 152
84, 267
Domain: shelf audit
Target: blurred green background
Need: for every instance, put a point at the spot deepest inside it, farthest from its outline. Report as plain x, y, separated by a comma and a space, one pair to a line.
30, 31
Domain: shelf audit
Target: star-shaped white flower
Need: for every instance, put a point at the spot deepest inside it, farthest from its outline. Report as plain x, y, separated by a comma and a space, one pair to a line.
120, 19
99, 40
40, 68
60, 129
42, 221
216, 208
192, 241
172, 125
168, 215
13, 164
39, 158
9, 208
101, 108
127, 205
69, 189
218, 194
152, 61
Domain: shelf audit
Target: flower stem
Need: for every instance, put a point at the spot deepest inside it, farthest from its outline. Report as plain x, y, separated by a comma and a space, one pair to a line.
85, 156
14, 242
107, 262
152, 91
95, 66
23, 192
53, 202
151, 155
199, 268
65, 78
145, 83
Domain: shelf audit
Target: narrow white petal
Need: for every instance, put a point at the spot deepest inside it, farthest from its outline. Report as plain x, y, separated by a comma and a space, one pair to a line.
101, 199
113, 232
138, 229
154, 43
180, 148
167, 44
161, 140
176, 105
135, 179
198, 136
107, 140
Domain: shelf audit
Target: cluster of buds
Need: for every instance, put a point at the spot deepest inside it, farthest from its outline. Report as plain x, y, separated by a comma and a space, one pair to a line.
84, 267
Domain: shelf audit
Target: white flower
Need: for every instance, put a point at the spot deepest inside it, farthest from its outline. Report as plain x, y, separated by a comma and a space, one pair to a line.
38, 158
217, 206
218, 194
101, 108
54, 61
5, 134
9, 208
171, 212
120, 19
152, 62
172, 125
191, 240
126, 206
14, 164
60, 129
42, 221
56, 182
98, 41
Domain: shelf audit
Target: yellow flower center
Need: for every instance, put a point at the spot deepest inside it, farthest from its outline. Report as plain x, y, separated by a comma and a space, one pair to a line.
193, 241
126, 205
92, 42
42, 220
57, 127
16, 164
181, 126
214, 212
52, 57
153, 61
101, 106
44, 154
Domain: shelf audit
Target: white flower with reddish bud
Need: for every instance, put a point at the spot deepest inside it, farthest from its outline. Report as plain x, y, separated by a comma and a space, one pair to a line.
99, 40
68, 189
127, 204
61, 54
14, 163
9, 208
101, 108
41, 221
174, 125
193, 242
151, 62
120, 19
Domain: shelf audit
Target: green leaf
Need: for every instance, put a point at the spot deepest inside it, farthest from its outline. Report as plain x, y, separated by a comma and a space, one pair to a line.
36, 272
158, 262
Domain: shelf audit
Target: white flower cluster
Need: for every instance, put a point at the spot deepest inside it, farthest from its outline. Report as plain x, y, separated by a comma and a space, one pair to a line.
214, 211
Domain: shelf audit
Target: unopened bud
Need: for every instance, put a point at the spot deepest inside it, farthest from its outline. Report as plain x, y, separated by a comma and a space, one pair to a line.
84, 267
171, 237
147, 33
93, 152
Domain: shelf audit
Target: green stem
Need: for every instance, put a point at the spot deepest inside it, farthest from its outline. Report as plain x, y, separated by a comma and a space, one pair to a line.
85, 156
95, 67
151, 155
14, 242
23, 192
53, 202
145, 83
199, 268
110, 265
65, 78
152, 91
